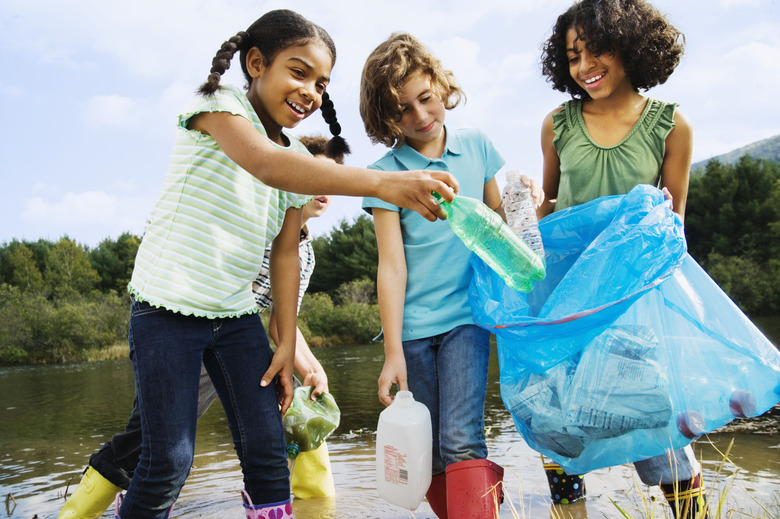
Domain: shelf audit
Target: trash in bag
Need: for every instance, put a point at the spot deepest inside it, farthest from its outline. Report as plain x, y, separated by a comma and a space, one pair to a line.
628, 348
307, 423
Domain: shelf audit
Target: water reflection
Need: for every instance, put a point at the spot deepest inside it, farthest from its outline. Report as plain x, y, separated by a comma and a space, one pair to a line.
52, 418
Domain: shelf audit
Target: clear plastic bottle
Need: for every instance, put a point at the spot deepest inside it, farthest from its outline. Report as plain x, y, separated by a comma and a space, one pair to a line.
404, 443
485, 233
521, 213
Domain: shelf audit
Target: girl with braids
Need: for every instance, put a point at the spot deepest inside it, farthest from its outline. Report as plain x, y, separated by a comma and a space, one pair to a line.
605, 141
229, 192
111, 468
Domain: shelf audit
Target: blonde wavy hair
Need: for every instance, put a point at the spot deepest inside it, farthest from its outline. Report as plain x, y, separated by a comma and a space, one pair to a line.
386, 71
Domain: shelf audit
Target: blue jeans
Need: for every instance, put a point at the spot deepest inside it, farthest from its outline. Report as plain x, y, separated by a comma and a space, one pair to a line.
117, 458
666, 469
448, 373
167, 349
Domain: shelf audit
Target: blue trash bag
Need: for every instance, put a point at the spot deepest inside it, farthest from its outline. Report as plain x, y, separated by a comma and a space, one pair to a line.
627, 348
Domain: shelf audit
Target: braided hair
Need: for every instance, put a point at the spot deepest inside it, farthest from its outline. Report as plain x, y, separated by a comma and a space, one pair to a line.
272, 33
337, 146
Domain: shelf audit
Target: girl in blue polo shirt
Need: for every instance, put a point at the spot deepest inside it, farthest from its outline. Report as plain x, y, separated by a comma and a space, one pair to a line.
432, 346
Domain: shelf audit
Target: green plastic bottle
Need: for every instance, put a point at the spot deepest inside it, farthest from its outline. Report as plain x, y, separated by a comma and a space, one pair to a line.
485, 233
307, 423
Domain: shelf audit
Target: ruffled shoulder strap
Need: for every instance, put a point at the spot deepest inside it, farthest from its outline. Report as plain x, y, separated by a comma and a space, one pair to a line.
659, 119
566, 118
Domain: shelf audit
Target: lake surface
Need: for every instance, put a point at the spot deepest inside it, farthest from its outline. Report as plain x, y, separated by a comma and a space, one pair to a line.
52, 418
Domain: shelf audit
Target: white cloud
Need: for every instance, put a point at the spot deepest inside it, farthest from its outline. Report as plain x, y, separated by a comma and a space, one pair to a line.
89, 216
72, 208
114, 111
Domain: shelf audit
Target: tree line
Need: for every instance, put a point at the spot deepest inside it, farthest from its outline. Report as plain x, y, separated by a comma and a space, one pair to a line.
62, 301
732, 225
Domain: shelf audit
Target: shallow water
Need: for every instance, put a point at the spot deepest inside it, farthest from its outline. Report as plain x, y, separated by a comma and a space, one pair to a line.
52, 418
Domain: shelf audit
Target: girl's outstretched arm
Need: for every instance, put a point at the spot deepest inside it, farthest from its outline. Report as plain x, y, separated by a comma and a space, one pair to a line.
391, 290
298, 173
676, 168
285, 280
551, 168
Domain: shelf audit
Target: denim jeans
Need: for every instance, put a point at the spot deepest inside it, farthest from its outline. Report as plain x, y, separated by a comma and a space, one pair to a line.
167, 349
117, 458
679, 465
448, 373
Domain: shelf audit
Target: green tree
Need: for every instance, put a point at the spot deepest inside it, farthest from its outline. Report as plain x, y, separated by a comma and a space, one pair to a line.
732, 225
358, 291
346, 323
20, 268
68, 271
40, 252
750, 285
113, 261
732, 210
348, 253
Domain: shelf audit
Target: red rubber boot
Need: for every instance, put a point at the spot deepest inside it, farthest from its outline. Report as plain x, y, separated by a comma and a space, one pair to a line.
474, 489
437, 495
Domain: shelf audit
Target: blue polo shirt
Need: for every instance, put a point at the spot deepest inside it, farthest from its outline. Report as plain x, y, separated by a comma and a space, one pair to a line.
437, 262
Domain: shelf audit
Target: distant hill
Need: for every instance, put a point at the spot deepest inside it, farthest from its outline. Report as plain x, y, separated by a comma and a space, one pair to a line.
767, 149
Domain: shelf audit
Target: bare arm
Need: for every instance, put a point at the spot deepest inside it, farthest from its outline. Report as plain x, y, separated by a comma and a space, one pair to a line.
391, 291
306, 364
298, 173
676, 168
551, 168
491, 196
285, 279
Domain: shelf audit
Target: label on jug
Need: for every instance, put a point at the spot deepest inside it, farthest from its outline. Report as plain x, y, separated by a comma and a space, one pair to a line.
396, 470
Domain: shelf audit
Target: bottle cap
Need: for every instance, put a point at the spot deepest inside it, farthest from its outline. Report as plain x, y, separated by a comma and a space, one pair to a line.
403, 398
691, 424
292, 451
742, 403
513, 176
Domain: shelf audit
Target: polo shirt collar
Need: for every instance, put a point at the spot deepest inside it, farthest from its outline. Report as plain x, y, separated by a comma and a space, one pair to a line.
411, 159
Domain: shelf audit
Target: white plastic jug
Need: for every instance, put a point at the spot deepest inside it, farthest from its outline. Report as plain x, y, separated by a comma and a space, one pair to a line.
403, 452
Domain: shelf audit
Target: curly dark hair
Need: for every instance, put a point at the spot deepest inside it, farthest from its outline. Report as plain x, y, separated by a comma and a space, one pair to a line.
649, 46
321, 145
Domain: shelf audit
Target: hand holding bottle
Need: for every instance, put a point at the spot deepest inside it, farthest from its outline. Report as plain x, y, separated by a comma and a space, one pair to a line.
485, 233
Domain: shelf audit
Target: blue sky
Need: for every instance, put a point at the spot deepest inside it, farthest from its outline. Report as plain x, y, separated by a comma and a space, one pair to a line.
91, 90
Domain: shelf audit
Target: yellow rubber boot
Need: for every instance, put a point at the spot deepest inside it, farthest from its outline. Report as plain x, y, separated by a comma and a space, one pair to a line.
311, 475
91, 498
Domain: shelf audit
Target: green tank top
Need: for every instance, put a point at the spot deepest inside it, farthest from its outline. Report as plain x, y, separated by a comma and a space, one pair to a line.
589, 170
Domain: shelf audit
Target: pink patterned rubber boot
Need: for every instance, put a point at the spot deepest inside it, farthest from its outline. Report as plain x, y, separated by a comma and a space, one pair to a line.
281, 510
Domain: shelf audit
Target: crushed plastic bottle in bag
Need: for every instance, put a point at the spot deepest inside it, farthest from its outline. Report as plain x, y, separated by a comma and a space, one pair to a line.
307, 423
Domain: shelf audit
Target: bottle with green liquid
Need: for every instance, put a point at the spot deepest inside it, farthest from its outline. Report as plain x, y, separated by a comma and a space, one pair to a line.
484, 232
308, 422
